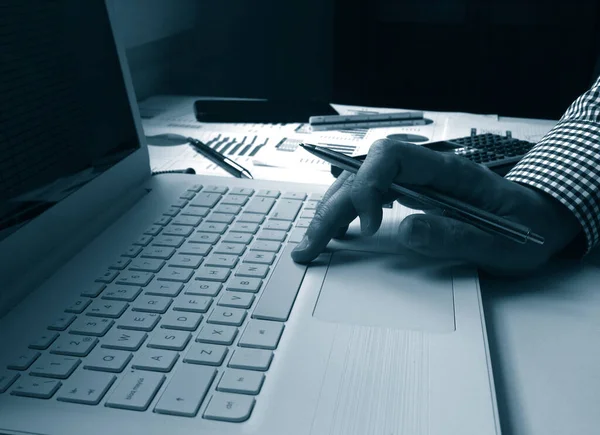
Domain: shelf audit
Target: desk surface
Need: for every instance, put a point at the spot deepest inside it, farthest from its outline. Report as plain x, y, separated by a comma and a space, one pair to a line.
544, 331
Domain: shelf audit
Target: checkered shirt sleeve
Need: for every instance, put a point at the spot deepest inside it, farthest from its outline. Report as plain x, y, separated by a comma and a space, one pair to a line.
566, 163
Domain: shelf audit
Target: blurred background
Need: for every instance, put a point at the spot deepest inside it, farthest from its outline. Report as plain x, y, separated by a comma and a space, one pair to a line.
507, 57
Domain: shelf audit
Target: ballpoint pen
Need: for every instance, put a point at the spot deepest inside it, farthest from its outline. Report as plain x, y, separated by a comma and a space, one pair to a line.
451, 206
219, 159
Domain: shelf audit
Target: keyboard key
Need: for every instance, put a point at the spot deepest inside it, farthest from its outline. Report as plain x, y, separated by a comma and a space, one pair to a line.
238, 284
212, 227
112, 309
251, 218
163, 220
265, 245
177, 230
252, 270
259, 257
181, 321
121, 339
179, 203
162, 253
215, 189
286, 209
280, 292
204, 288
54, 366
61, 323
268, 193
196, 211
135, 278
120, 263
230, 248
217, 334
236, 300
246, 191
44, 340
303, 223
91, 326
219, 274
191, 248
24, 360
307, 214
243, 238
107, 360
155, 360
276, 235
227, 208
207, 354
229, 407
168, 241
107, 277
125, 293
153, 230
86, 387
220, 217
138, 321
193, 304
132, 251
195, 187
227, 316
177, 274
78, 305
185, 261
36, 387
244, 227
170, 340
260, 205
201, 237
297, 235
241, 381
311, 205
294, 195
151, 304
315, 196
192, 221
164, 288
221, 260
147, 265
74, 345
143, 240
136, 390
171, 211
205, 199
93, 290
186, 391
277, 225
261, 334
7, 378
235, 199
251, 359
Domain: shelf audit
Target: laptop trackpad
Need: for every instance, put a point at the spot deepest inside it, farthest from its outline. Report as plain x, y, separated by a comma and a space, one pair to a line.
394, 291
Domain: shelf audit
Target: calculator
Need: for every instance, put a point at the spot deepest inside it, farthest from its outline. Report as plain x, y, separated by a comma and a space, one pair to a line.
497, 152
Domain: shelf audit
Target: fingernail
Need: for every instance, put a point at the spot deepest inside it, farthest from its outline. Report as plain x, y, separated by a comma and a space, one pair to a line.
302, 245
420, 233
365, 223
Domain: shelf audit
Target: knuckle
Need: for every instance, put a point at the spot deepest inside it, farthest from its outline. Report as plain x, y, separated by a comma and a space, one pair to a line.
383, 146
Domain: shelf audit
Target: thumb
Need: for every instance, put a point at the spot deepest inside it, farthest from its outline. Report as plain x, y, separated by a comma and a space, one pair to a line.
443, 237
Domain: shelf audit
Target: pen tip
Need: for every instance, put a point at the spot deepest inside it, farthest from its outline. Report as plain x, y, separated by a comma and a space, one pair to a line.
307, 146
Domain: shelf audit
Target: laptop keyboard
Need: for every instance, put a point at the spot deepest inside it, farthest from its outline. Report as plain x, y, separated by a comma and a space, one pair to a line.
194, 305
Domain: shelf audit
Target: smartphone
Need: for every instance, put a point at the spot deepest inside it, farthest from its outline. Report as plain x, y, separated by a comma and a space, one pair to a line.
260, 111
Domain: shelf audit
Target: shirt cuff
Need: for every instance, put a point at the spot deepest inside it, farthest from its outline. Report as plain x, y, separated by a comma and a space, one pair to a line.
566, 165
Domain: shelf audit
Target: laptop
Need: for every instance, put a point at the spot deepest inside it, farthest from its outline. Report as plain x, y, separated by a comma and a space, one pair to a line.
140, 304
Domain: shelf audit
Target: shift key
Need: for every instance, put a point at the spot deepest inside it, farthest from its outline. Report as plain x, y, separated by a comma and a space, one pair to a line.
186, 390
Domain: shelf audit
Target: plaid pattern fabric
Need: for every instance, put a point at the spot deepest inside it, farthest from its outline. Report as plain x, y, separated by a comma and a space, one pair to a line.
566, 163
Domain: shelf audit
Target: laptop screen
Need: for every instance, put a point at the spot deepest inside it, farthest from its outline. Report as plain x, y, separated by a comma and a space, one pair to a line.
64, 112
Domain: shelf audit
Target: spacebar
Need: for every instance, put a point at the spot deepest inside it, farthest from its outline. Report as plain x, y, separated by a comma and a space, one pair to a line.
281, 290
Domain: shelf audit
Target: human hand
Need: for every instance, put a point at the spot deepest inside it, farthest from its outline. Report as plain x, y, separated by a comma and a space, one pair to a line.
433, 234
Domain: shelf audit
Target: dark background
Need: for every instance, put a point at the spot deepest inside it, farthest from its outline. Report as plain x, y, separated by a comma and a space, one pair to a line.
510, 57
